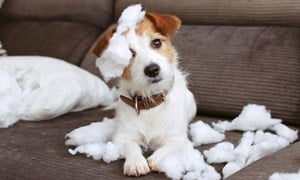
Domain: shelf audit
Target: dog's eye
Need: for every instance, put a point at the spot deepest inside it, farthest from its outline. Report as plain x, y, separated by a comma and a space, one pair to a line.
132, 52
156, 43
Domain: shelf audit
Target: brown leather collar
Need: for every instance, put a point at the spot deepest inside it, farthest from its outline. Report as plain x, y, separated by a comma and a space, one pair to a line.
143, 103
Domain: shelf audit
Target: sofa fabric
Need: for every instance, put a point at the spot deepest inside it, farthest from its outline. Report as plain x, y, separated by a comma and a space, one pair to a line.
224, 12
64, 40
231, 66
94, 12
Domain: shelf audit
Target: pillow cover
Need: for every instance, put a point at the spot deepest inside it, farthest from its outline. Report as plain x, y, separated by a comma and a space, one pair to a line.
38, 88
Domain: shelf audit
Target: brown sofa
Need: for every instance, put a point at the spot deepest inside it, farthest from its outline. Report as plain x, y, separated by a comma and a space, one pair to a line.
236, 51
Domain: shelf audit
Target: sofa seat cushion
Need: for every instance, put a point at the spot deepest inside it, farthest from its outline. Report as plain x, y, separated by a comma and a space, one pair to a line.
36, 150
63, 40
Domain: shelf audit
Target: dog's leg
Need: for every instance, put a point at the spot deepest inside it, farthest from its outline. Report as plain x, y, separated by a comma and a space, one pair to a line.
172, 145
135, 163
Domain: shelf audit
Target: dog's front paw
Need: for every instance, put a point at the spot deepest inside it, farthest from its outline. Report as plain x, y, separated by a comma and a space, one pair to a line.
136, 167
153, 163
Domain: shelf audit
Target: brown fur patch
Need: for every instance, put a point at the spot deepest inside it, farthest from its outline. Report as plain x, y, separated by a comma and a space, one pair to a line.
166, 24
104, 40
127, 72
148, 27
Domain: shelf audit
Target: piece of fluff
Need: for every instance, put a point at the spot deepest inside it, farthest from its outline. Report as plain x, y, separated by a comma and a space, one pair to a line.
117, 55
253, 117
241, 153
285, 132
285, 176
202, 133
187, 163
106, 151
97, 132
265, 144
220, 153
94, 141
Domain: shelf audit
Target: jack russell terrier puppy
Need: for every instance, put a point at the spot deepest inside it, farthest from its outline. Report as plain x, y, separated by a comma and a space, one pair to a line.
155, 105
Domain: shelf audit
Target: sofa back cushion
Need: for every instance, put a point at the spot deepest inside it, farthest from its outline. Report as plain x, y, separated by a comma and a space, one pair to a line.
64, 40
232, 66
224, 12
95, 12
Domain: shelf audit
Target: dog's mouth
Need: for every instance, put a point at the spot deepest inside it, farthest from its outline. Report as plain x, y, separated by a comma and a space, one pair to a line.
155, 80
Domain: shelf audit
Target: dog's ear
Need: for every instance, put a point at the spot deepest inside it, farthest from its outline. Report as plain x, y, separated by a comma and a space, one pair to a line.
165, 24
104, 40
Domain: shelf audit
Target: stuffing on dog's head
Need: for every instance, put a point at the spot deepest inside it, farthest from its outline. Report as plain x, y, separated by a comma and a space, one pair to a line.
152, 56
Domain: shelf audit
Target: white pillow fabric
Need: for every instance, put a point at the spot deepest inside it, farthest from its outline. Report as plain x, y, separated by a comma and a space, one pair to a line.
38, 88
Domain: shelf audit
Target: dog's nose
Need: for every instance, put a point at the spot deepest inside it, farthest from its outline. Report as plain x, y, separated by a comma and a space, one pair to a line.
152, 70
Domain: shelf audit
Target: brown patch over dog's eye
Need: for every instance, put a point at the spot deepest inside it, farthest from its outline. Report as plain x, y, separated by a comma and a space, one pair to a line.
156, 43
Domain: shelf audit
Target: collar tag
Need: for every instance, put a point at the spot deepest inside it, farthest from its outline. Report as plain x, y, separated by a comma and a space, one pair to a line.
136, 107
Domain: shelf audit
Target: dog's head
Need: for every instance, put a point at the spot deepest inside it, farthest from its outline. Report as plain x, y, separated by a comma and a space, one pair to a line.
151, 69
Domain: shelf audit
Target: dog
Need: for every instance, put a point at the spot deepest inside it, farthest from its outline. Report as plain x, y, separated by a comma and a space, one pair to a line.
155, 104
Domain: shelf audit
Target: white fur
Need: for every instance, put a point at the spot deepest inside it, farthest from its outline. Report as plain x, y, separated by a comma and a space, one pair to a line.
163, 128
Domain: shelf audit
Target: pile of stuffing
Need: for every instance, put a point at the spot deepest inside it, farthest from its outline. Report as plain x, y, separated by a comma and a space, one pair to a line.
262, 136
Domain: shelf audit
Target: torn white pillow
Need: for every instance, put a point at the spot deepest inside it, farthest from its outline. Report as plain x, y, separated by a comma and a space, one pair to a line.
49, 87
